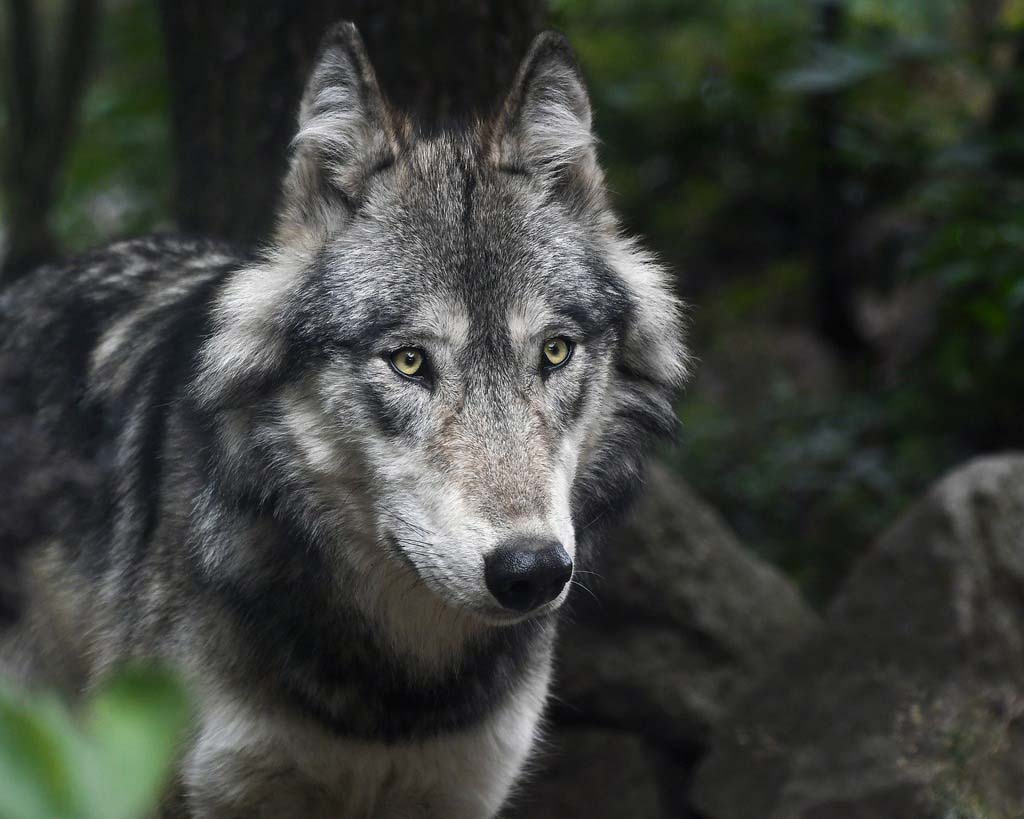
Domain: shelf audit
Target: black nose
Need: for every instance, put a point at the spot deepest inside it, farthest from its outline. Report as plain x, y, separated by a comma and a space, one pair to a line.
525, 573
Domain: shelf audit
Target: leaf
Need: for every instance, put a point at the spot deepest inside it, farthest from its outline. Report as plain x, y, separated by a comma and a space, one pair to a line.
38, 748
1013, 14
134, 724
832, 69
1016, 295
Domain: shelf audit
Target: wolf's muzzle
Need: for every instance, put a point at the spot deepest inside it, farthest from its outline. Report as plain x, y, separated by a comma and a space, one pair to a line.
525, 573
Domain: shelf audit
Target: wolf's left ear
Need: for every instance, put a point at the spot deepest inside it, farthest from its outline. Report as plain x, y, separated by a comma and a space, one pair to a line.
345, 131
545, 124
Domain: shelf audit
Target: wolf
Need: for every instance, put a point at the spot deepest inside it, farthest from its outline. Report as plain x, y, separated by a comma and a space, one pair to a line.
342, 483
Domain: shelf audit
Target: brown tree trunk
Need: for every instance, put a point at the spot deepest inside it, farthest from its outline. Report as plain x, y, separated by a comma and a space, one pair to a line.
44, 102
237, 69
1006, 121
835, 285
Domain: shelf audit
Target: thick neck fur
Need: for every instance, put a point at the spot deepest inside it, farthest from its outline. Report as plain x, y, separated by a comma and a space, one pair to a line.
366, 650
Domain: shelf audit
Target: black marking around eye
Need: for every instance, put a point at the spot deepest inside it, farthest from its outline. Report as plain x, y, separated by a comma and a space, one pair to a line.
388, 416
514, 170
577, 405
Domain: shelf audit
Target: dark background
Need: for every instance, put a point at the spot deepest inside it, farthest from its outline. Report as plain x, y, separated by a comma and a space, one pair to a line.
837, 184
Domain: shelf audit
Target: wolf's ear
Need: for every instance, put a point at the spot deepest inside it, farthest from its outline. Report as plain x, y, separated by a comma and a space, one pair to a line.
544, 127
345, 130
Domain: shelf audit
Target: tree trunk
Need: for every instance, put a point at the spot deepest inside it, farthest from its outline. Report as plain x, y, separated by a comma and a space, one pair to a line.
237, 69
1006, 121
44, 102
837, 320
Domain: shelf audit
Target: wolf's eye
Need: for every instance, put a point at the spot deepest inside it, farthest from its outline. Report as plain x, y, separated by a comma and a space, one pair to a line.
408, 361
556, 352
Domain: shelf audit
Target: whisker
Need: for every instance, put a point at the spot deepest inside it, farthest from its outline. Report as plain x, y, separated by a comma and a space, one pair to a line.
597, 599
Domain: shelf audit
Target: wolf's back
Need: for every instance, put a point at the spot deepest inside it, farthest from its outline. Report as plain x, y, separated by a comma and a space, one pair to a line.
92, 354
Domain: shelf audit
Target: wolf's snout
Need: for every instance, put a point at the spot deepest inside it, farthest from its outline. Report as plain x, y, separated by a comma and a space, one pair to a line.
525, 573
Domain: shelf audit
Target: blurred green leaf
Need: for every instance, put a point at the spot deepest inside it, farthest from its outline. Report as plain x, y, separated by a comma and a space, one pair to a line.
119, 171
832, 69
134, 723
110, 764
39, 749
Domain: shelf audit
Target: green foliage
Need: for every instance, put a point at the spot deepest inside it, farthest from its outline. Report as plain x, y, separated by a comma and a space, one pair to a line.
976, 257
119, 171
808, 483
689, 113
108, 762
711, 119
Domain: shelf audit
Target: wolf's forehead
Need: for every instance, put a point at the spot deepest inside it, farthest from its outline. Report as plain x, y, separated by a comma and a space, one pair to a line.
440, 315
498, 281
448, 317
485, 231
453, 186
450, 243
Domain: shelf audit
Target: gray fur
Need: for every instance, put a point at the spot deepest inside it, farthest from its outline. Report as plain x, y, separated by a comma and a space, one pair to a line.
295, 526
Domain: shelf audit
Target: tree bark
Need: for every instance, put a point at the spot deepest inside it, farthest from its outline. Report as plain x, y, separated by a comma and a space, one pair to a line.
1006, 121
44, 102
237, 69
835, 294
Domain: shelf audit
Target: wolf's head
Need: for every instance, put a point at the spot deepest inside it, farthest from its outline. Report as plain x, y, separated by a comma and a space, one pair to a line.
451, 362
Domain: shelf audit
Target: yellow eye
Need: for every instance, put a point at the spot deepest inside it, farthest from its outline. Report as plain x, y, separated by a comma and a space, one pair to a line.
408, 361
556, 351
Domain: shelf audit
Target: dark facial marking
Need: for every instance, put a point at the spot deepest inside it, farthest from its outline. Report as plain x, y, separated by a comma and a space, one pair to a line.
387, 416
467, 204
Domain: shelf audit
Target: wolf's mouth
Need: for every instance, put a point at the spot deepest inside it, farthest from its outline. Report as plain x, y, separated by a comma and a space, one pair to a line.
498, 616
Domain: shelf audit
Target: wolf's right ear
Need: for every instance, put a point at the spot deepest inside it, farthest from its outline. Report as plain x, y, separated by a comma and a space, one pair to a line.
345, 131
545, 125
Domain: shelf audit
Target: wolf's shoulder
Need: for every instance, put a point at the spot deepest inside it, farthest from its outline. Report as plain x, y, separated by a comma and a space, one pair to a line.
108, 317
78, 298
123, 273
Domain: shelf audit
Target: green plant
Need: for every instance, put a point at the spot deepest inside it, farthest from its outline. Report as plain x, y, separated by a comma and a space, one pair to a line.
108, 760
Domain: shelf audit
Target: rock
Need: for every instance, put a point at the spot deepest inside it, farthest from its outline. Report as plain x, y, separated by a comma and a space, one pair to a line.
598, 774
686, 617
681, 620
909, 704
